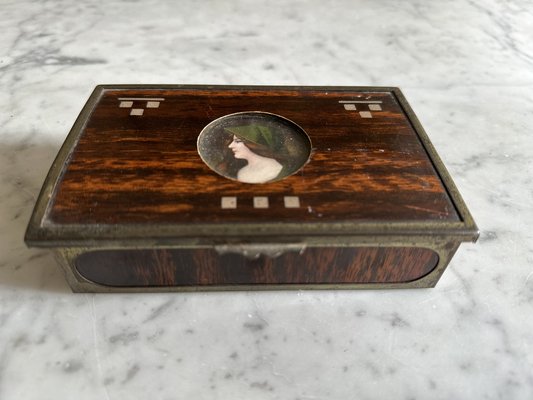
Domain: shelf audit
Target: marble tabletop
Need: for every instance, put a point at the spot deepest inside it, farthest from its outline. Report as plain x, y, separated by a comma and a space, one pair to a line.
466, 67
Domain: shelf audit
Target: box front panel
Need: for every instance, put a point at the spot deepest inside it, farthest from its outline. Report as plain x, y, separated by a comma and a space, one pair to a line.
207, 267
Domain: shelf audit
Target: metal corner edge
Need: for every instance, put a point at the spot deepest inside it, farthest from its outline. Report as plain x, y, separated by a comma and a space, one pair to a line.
438, 164
34, 232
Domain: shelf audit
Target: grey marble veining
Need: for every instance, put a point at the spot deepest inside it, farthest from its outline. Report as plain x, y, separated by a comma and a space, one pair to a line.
467, 69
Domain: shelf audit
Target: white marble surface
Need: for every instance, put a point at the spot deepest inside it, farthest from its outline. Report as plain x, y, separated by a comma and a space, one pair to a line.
466, 66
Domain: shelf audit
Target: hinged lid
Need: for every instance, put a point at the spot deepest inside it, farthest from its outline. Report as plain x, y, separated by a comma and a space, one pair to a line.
130, 170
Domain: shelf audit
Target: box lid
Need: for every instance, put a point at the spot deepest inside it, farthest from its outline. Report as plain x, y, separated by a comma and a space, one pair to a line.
130, 169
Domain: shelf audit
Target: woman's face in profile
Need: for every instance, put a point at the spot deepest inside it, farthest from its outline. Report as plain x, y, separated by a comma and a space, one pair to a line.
239, 149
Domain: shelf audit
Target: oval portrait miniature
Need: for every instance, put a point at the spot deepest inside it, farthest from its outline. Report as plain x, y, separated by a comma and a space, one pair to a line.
254, 147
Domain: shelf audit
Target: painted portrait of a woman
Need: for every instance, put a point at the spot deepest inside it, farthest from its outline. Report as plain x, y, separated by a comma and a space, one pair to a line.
262, 151
253, 147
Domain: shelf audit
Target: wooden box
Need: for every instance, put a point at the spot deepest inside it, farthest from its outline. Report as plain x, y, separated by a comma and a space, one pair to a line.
181, 187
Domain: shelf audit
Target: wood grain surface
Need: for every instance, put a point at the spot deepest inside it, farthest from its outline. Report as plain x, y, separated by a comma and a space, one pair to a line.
205, 267
146, 169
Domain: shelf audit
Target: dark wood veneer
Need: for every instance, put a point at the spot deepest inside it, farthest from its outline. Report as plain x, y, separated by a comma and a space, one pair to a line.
205, 267
128, 169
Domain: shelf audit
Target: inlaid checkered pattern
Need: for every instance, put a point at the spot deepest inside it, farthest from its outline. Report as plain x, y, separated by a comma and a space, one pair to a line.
137, 105
364, 108
259, 202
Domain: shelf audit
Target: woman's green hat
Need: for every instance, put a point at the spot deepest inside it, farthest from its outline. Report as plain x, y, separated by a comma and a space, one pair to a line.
258, 134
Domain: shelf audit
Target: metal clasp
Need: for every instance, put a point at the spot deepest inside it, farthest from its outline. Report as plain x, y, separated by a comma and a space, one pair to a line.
254, 251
